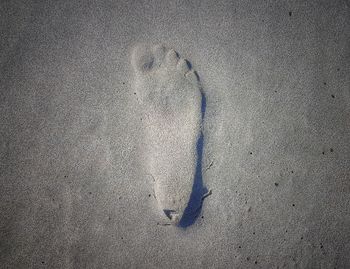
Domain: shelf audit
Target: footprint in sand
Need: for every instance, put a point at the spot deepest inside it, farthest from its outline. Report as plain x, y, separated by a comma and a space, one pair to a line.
173, 104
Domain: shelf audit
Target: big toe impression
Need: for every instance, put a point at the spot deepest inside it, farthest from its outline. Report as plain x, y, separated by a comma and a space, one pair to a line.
142, 58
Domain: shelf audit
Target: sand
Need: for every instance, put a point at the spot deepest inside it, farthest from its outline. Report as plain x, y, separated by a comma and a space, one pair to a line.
76, 189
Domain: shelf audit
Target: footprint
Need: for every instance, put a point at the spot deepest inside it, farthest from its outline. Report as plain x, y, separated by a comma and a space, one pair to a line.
172, 101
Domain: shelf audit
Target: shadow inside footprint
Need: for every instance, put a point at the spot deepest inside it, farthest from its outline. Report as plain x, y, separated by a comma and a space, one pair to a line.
195, 203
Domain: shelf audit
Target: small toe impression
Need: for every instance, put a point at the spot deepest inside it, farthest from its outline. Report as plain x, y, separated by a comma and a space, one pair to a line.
192, 76
159, 54
171, 58
183, 66
172, 215
142, 58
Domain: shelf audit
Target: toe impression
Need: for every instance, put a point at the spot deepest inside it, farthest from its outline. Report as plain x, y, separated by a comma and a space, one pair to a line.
171, 58
142, 58
159, 54
192, 77
183, 66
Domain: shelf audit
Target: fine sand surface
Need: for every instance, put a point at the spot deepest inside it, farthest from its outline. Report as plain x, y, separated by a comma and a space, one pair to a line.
175, 134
